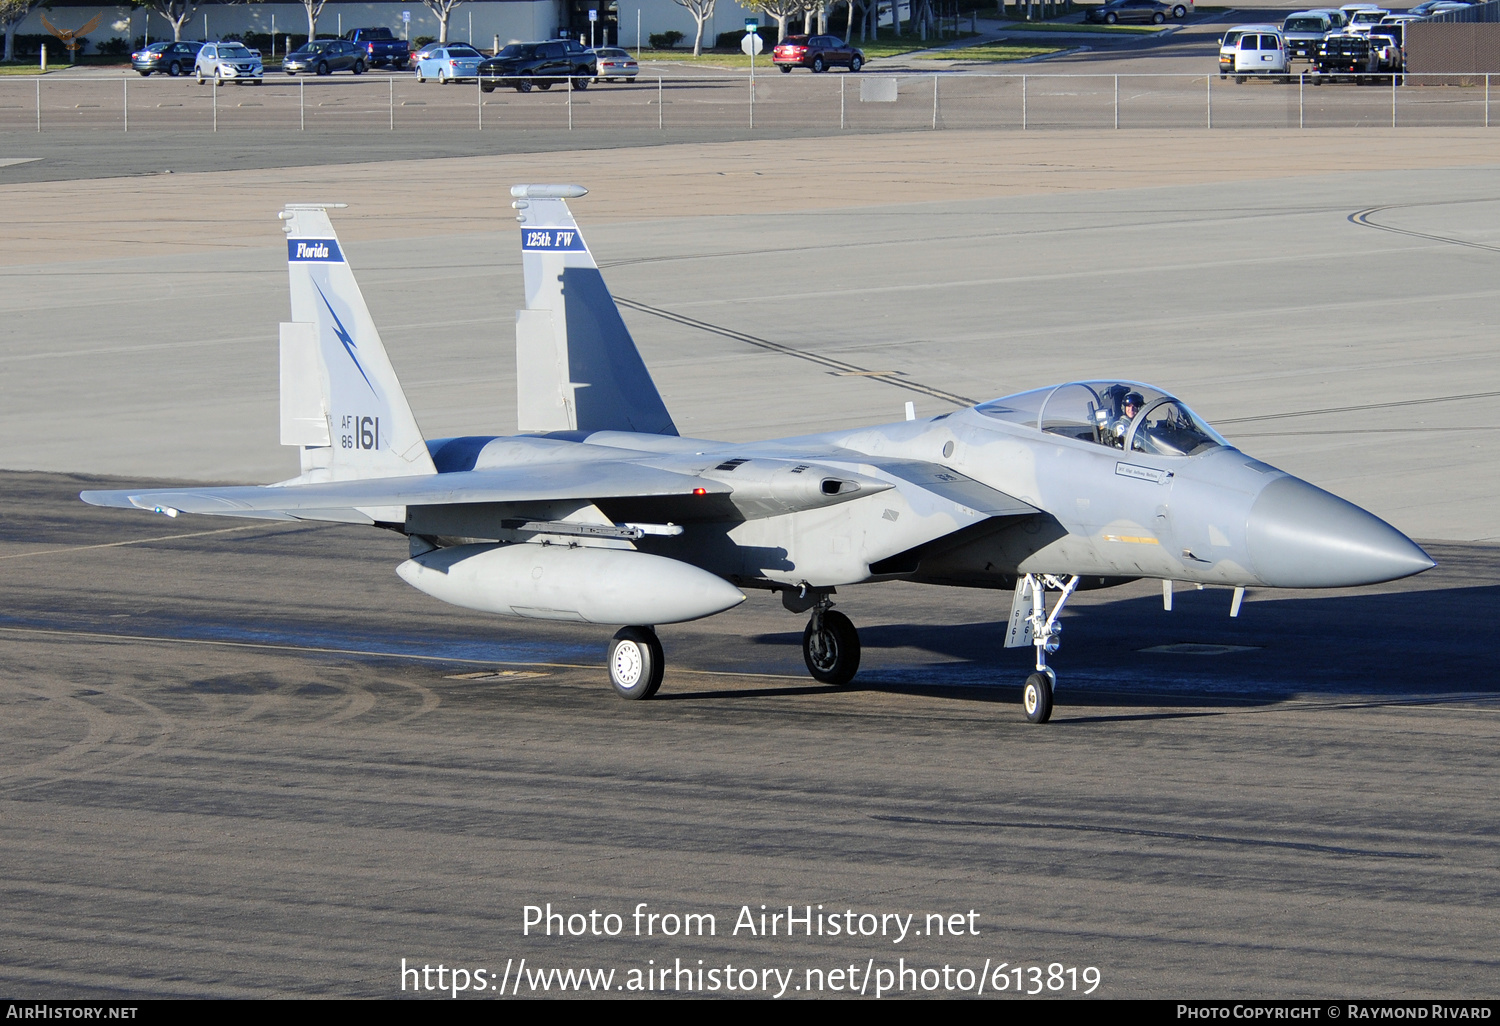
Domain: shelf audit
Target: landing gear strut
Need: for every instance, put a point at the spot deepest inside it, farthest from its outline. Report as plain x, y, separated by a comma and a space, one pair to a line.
635, 663
830, 644
1045, 635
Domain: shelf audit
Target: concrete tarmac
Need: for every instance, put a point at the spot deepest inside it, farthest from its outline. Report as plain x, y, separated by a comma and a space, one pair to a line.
245, 759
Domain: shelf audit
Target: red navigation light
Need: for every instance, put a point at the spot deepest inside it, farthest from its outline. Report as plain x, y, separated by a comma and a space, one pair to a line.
700, 491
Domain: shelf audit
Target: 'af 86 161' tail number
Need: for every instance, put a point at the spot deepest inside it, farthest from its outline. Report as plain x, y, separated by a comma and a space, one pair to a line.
359, 432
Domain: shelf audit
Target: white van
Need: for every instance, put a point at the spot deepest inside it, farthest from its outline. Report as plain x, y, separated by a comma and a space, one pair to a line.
1229, 45
1255, 50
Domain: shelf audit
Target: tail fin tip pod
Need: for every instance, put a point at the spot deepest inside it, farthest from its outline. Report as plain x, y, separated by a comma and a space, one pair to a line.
577, 368
340, 398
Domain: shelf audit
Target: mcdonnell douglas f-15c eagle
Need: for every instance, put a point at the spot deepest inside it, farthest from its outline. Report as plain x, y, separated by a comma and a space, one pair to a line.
597, 511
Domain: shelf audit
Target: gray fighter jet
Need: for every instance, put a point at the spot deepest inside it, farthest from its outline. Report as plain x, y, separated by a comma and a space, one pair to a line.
597, 511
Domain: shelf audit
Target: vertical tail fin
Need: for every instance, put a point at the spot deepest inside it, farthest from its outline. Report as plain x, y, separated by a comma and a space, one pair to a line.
577, 367
340, 399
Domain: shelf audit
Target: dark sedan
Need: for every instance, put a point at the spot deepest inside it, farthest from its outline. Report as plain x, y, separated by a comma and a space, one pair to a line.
523, 65
169, 58
818, 53
324, 57
1151, 11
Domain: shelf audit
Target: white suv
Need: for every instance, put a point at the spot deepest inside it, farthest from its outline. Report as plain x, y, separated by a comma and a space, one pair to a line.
228, 62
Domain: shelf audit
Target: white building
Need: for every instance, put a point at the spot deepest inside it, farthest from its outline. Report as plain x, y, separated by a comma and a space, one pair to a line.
480, 22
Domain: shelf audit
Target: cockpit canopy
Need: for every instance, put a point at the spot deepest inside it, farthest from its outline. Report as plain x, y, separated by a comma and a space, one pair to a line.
1123, 415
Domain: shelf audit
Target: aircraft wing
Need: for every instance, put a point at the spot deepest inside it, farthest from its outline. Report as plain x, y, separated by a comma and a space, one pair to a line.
588, 480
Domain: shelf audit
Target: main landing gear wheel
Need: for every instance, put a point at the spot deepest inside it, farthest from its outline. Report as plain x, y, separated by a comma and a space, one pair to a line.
635, 663
1036, 698
830, 647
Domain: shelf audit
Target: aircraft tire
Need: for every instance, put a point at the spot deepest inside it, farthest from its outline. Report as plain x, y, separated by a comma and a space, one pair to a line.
636, 663
1036, 698
836, 658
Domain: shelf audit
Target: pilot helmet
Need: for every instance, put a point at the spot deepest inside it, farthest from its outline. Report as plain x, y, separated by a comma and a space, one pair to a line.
1133, 399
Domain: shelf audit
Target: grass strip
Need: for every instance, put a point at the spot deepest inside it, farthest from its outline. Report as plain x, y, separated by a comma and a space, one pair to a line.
992, 52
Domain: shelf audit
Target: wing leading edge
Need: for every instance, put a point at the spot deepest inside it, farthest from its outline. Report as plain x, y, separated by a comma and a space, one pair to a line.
532, 483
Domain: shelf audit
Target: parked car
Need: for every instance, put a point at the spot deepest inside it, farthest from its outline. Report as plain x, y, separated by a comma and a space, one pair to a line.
1129, 10
1229, 45
455, 62
228, 62
818, 53
1259, 53
381, 46
613, 63
424, 51
1337, 15
324, 57
1429, 8
167, 57
1303, 32
522, 66
1361, 20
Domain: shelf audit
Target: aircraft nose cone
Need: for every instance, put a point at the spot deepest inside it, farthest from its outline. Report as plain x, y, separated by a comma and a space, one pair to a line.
1300, 536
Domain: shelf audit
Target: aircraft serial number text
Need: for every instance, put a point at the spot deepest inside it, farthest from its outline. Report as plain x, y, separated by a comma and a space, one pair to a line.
359, 432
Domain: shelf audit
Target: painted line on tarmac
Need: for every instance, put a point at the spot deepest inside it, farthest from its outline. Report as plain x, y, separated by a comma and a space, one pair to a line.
843, 368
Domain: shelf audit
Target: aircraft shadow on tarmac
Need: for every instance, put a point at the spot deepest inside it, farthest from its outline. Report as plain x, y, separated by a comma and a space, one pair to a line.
1393, 647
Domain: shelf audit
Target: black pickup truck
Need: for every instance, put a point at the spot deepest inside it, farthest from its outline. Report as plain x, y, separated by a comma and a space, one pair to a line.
1341, 56
380, 46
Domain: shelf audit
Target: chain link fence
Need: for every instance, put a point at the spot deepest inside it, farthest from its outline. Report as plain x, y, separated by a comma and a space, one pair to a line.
884, 102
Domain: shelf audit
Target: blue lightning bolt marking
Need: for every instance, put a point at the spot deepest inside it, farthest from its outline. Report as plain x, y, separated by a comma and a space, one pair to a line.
344, 337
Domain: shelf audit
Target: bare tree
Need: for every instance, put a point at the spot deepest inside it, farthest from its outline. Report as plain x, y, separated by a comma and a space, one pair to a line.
11, 14
441, 8
175, 12
178, 13
701, 10
780, 11
313, 8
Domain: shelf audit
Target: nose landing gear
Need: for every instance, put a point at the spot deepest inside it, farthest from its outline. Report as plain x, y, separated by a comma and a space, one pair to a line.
1040, 629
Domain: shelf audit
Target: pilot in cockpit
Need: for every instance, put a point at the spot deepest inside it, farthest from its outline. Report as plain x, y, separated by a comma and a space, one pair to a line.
1114, 428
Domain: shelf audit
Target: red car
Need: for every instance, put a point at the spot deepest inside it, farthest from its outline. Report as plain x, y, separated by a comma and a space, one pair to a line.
816, 52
